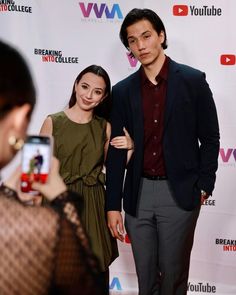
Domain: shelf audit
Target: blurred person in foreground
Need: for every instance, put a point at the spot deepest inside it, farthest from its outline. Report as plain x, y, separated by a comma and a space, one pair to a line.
44, 250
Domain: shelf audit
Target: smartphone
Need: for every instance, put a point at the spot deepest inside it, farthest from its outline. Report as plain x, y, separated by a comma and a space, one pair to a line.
35, 162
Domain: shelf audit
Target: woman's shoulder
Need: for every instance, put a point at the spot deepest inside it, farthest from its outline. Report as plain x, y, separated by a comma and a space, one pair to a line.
58, 120
57, 115
101, 122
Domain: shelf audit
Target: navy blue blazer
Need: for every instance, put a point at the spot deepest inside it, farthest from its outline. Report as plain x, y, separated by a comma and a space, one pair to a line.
190, 140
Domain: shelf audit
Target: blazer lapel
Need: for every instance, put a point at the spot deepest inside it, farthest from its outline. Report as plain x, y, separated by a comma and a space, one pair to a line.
136, 106
172, 89
136, 100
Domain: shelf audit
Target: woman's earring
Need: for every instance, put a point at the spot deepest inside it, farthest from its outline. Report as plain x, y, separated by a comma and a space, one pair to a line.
15, 143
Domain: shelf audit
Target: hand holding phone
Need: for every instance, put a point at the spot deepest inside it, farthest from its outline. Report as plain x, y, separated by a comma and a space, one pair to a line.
54, 185
51, 189
13, 182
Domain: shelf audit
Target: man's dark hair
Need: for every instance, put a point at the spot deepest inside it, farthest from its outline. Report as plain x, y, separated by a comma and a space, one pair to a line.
136, 15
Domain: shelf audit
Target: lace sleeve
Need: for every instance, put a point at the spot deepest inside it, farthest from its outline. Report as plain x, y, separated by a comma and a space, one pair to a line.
76, 268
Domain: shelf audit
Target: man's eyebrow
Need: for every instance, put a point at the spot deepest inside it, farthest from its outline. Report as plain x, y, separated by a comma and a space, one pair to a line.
141, 34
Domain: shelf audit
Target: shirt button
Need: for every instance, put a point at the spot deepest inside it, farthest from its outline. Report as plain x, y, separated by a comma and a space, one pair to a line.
155, 137
153, 170
154, 154
155, 121
156, 105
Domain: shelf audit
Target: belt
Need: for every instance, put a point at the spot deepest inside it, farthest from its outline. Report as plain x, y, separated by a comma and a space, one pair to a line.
154, 177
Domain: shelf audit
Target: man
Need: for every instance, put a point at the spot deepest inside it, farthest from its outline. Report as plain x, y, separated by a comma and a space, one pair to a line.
169, 112
38, 162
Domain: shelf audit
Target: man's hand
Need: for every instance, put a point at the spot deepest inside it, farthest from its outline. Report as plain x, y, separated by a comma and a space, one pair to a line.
115, 224
204, 196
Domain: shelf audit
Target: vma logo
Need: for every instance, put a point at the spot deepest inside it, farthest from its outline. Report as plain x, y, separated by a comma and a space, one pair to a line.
192, 10
228, 59
228, 155
101, 10
115, 284
132, 60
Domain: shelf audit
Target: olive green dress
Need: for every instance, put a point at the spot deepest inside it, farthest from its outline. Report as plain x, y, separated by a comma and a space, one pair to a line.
80, 150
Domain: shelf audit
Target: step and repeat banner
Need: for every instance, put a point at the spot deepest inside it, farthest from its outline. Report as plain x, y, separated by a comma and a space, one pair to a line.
60, 38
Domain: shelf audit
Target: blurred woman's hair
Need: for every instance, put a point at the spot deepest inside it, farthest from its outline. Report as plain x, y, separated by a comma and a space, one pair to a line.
16, 84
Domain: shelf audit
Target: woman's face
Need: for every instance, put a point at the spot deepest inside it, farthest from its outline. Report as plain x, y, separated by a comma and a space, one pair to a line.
90, 91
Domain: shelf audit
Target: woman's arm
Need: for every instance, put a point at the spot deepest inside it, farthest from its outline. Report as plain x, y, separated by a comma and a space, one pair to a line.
47, 127
108, 136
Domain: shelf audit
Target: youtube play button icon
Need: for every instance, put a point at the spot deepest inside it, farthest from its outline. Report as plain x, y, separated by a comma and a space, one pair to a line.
180, 10
228, 59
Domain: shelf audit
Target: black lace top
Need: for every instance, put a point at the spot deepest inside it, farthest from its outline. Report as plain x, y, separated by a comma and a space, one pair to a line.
44, 250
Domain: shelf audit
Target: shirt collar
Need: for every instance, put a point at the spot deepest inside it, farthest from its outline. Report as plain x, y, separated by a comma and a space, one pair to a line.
162, 75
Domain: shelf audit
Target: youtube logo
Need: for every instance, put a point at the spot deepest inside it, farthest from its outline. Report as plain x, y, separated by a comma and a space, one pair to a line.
192, 10
180, 10
228, 59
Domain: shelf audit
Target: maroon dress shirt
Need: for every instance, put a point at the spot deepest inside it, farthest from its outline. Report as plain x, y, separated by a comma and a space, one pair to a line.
154, 97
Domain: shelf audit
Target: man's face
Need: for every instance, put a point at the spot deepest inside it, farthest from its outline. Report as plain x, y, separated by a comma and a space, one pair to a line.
144, 42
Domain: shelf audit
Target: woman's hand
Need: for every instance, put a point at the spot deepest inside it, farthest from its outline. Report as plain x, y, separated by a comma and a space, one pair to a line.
51, 189
13, 182
123, 142
54, 185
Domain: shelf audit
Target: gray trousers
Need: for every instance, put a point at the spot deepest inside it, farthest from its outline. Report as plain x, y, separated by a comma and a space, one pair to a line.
161, 238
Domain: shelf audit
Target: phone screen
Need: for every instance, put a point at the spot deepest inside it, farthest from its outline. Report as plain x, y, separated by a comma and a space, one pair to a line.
36, 158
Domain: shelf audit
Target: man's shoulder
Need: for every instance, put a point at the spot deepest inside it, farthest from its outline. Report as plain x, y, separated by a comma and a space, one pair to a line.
185, 70
127, 80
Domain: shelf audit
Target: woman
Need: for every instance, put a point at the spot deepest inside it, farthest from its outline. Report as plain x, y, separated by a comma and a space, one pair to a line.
81, 137
44, 250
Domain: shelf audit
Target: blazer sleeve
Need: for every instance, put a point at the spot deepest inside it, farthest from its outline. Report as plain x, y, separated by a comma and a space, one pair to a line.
208, 134
116, 158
